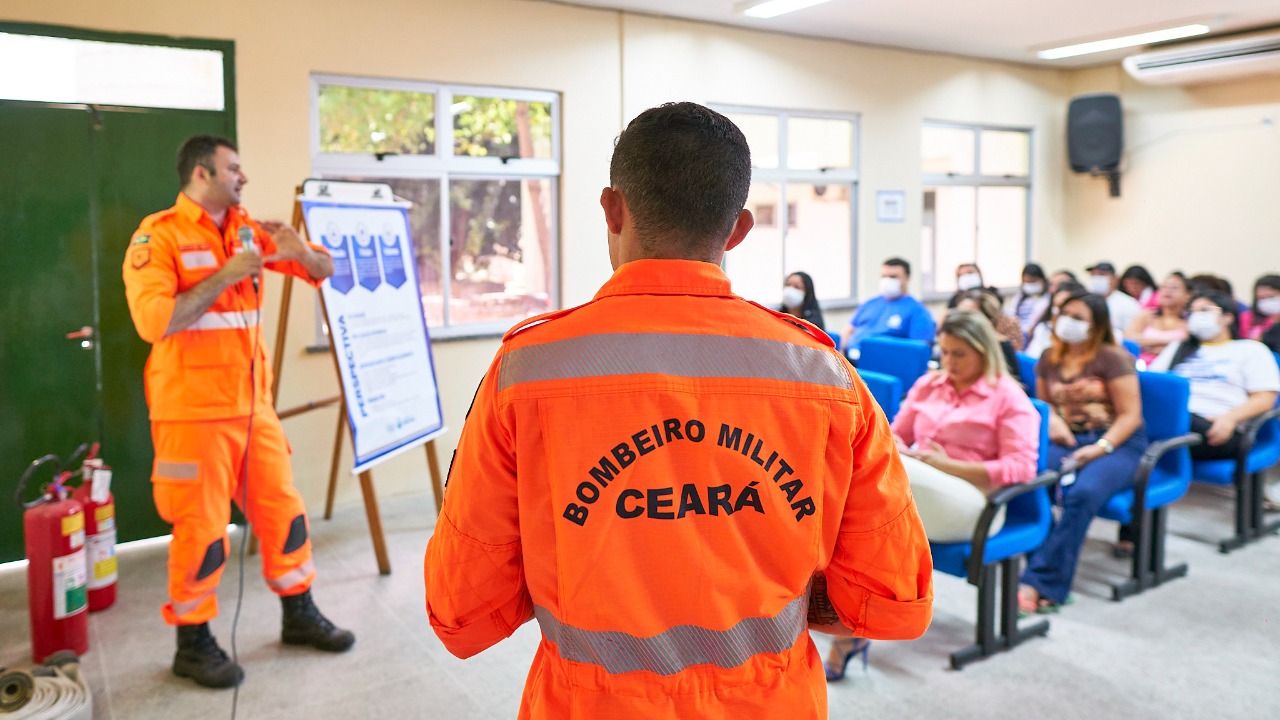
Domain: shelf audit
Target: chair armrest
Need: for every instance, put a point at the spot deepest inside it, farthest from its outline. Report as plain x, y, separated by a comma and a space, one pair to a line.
1155, 451
997, 499
1249, 429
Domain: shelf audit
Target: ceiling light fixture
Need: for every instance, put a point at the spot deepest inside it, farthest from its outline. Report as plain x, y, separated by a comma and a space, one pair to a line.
1122, 42
773, 8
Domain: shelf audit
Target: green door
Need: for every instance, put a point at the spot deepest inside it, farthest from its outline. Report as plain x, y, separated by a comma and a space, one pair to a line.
76, 182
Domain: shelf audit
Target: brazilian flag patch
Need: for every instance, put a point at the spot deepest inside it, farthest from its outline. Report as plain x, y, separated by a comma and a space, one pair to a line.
141, 240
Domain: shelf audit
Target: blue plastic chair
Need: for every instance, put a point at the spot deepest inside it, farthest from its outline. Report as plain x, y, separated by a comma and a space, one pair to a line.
1134, 348
906, 360
1163, 477
995, 569
1027, 372
886, 389
1259, 450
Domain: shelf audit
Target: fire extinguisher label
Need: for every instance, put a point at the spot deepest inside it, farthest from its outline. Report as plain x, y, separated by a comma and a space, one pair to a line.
102, 559
72, 523
105, 517
69, 593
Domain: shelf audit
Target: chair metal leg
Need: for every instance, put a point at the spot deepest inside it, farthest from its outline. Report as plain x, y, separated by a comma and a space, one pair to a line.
1244, 512
987, 642
1159, 529
1258, 495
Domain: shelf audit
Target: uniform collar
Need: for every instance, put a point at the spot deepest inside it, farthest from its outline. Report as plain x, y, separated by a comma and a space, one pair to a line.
667, 277
193, 211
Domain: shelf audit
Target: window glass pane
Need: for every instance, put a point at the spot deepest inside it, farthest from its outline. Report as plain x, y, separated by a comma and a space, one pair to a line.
947, 150
755, 266
818, 234
1002, 234
501, 240
370, 121
56, 69
494, 127
1005, 153
949, 234
762, 137
818, 143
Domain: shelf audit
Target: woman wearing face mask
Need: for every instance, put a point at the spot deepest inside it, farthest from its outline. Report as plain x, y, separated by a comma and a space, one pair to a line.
1232, 380
1155, 329
1097, 437
1265, 313
968, 277
1031, 299
1137, 283
1042, 333
798, 299
961, 433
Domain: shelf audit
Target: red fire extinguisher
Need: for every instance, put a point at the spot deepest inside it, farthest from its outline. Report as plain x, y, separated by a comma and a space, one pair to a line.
99, 504
56, 578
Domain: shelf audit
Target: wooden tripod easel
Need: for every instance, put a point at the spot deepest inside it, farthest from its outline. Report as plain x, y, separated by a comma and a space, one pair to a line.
366, 476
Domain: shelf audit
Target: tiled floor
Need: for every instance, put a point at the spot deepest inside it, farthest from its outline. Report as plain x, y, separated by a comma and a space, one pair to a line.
1207, 646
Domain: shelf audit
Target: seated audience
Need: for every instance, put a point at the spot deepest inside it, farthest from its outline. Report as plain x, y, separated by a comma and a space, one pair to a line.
969, 277
893, 312
1097, 438
1153, 330
1232, 380
1205, 281
1031, 299
1102, 281
1137, 283
1265, 312
1008, 334
1042, 333
798, 299
1060, 278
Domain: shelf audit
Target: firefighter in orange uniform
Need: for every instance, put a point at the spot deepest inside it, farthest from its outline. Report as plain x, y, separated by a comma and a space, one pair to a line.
190, 276
673, 481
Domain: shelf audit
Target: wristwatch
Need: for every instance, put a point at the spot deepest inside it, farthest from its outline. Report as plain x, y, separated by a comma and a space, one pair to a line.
1106, 445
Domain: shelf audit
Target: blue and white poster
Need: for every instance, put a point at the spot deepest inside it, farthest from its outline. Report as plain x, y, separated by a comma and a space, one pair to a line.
377, 328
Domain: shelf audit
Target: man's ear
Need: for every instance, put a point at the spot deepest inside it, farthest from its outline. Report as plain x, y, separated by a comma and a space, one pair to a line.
614, 209
741, 227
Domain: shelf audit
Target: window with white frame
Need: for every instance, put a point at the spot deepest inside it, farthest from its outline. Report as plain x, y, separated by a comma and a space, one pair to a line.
804, 186
482, 168
977, 200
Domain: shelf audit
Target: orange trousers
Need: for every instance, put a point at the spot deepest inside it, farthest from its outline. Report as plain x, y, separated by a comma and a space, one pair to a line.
196, 478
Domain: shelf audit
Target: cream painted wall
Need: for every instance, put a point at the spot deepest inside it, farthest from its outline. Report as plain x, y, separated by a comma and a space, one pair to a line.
1201, 182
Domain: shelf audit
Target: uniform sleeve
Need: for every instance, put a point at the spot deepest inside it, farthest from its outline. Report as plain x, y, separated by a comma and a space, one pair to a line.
150, 283
474, 570
880, 578
1018, 437
287, 267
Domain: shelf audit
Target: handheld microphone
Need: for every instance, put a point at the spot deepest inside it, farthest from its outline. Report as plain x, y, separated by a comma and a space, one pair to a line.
247, 243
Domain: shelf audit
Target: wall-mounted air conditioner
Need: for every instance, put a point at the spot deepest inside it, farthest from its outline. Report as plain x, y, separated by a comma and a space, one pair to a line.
1208, 60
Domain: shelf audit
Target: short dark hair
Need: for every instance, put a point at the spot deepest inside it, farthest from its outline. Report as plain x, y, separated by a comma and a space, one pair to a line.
685, 172
1140, 273
1034, 271
199, 150
899, 262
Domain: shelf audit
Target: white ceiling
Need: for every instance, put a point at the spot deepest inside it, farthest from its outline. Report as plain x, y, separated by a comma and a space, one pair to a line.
997, 29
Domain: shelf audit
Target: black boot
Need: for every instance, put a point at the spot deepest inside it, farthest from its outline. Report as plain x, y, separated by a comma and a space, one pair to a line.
304, 625
200, 659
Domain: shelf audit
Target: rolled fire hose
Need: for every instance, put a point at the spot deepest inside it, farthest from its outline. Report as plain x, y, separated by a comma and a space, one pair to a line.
57, 692
16, 689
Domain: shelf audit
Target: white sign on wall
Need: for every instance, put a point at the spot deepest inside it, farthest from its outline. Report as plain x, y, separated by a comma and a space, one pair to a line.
374, 309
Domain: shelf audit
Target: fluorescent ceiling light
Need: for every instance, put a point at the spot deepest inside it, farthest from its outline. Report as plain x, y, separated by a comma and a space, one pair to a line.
1122, 42
774, 8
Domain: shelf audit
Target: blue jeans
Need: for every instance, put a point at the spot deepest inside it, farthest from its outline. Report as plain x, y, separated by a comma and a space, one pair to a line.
1052, 567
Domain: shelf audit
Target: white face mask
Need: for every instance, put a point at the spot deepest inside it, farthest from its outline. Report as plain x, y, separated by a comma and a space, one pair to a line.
891, 287
1204, 325
1099, 284
1034, 288
1269, 306
792, 297
1070, 330
969, 281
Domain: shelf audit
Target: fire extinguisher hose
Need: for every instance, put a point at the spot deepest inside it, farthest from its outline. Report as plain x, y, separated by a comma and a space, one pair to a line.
16, 689
56, 693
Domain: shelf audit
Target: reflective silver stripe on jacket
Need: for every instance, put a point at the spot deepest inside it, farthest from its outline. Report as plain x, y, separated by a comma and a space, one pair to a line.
682, 355
670, 652
233, 320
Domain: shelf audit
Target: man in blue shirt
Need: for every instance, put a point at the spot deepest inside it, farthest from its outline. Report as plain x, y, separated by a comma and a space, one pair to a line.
893, 312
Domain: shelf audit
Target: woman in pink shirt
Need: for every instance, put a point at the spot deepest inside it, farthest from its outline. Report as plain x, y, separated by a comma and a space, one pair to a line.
965, 430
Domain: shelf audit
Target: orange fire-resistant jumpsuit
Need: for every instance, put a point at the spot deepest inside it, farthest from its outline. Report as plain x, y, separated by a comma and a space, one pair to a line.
202, 404
654, 477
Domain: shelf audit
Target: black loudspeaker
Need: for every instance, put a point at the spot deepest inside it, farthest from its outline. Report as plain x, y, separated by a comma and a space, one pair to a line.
1095, 133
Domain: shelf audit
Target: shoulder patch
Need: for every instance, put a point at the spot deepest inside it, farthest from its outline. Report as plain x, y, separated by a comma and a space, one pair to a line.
141, 240
139, 257
538, 320
801, 325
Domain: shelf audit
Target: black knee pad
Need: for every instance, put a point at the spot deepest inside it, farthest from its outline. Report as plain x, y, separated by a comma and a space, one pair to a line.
297, 534
214, 557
